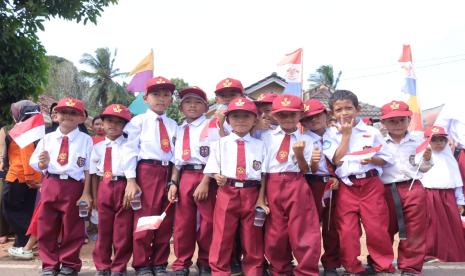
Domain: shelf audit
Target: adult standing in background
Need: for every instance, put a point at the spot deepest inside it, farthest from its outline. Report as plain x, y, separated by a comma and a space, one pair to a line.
3, 224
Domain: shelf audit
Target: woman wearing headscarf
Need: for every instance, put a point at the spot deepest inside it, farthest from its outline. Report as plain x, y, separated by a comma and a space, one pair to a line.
21, 181
3, 224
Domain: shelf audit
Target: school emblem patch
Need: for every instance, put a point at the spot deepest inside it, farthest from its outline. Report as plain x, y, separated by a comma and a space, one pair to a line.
283, 155
411, 160
326, 144
165, 142
257, 165
240, 170
204, 151
62, 157
81, 161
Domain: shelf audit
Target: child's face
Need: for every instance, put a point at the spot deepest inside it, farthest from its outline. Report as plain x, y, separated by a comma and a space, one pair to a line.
288, 120
159, 100
316, 122
396, 126
345, 111
98, 127
438, 142
113, 126
241, 121
226, 96
69, 118
264, 112
193, 108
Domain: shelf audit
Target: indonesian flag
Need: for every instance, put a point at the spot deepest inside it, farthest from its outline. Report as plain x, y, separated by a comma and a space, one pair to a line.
29, 131
149, 223
327, 192
362, 154
421, 149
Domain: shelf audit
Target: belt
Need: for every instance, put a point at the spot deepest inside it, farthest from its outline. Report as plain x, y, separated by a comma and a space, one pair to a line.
408, 181
115, 178
315, 177
193, 167
370, 173
155, 162
61, 176
242, 184
399, 210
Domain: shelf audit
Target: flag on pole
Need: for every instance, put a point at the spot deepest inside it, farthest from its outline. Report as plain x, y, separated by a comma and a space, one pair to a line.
138, 106
362, 154
142, 73
410, 88
151, 222
293, 72
27, 132
327, 192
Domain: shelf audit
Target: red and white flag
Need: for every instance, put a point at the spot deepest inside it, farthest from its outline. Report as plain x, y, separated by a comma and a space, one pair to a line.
149, 223
27, 132
327, 192
362, 154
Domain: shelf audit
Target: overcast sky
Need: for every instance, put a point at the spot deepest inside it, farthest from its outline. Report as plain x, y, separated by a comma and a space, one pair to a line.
206, 41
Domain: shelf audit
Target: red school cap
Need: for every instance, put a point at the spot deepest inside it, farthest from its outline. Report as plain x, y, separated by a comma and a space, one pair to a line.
241, 104
313, 107
395, 109
117, 110
287, 103
229, 84
158, 83
71, 103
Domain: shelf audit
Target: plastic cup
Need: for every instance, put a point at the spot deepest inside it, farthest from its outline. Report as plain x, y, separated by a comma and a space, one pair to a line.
260, 216
136, 203
83, 209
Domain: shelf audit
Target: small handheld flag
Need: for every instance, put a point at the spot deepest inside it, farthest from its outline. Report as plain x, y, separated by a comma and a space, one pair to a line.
362, 154
29, 131
151, 222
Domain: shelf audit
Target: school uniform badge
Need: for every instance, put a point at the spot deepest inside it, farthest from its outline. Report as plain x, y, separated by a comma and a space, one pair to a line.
81, 161
257, 165
326, 144
204, 151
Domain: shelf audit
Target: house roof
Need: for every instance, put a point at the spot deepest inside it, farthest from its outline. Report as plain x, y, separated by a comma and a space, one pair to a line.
264, 82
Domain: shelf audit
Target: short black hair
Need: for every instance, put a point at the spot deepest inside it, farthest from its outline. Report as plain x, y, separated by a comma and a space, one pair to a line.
340, 95
96, 118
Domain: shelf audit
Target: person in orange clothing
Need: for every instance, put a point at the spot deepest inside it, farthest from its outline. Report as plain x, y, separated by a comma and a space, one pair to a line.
21, 181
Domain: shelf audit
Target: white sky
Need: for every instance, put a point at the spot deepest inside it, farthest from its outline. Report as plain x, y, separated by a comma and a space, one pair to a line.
206, 41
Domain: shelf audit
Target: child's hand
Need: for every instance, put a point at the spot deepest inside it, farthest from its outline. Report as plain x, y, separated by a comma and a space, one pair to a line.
173, 193
131, 190
427, 154
261, 202
201, 192
220, 179
461, 209
88, 199
335, 183
220, 115
33, 184
345, 128
44, 160
298, 148
316, 155
366, 161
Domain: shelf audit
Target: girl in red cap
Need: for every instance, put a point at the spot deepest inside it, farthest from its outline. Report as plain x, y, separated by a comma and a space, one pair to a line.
114, 213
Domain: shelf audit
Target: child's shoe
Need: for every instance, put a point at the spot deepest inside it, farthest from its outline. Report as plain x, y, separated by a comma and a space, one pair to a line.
19, 252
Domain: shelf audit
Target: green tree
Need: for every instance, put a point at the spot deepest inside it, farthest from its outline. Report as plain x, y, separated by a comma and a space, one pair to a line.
173, 110
23, 67
324, 76
103, 86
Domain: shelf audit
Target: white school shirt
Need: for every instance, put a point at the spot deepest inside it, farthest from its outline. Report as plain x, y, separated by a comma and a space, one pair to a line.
118, 160
223, 157
144, 140
405, 166
79, 150
199, 146
445, 174
318, 141
362, 136
273, 139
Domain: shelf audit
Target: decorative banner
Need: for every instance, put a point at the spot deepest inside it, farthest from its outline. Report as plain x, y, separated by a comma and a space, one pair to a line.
293, 68
142, 73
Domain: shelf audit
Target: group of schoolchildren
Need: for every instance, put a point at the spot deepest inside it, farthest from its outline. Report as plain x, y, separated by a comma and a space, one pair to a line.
276, 153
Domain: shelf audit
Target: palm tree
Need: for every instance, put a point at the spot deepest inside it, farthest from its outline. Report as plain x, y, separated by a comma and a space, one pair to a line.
103, 86
324, 76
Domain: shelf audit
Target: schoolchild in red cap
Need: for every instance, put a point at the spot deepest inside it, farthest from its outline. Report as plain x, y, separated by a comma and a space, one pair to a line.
315, 121
292, 228
114, 215
361, 193
64, 157
444, 201
151, 144
265, 120
236, 163
407, 212
195, 199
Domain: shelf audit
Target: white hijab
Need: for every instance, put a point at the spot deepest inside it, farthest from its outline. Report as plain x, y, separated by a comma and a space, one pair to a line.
445, 172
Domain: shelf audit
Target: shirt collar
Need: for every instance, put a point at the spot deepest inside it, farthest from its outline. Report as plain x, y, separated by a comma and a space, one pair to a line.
407, 138
279, 130
152, 113
73, 134
197, 122
234, 137
118, 140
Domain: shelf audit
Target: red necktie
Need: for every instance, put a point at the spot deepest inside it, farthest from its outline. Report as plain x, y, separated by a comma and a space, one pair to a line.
107, 168
283, 152
63, 154
186, 144
164, 139
240, 166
